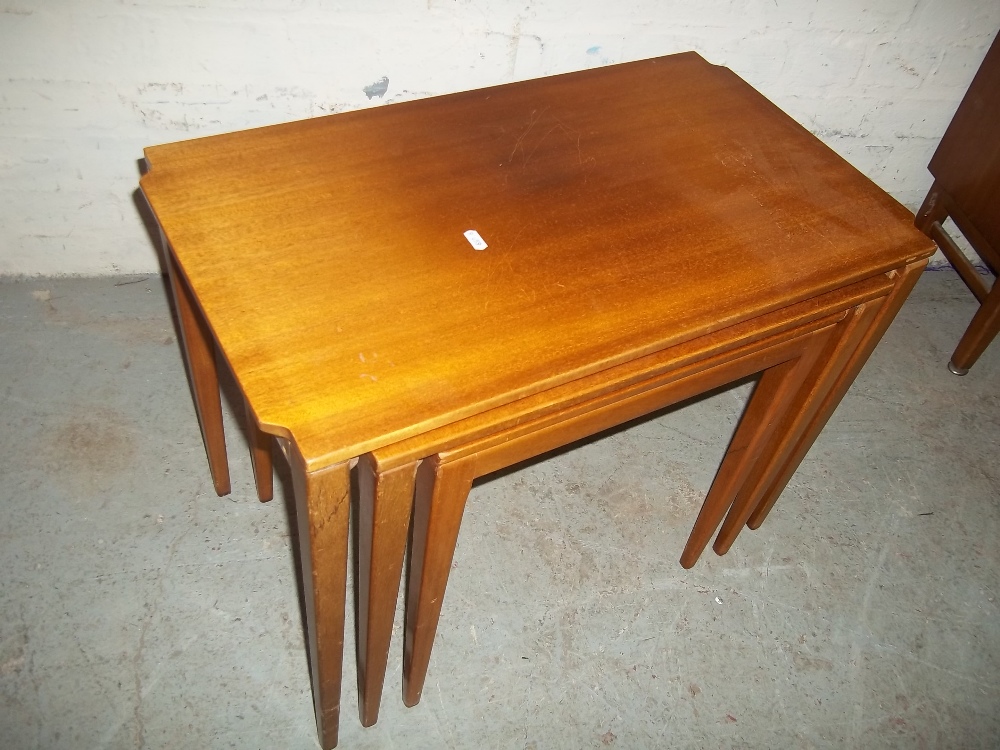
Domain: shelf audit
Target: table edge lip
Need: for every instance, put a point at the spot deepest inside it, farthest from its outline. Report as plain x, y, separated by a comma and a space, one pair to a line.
149, 152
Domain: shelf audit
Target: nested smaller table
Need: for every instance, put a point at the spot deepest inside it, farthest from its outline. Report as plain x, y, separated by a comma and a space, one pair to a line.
437, 289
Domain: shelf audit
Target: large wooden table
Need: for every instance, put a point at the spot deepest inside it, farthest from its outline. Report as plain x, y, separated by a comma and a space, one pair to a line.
654, 230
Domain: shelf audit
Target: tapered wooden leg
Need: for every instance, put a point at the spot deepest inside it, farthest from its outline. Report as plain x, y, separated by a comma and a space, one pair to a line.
985, 324
817, 385
260, 456
441, 492
768, 403
322, 507
199, 353
981, 331
905, 280
383, 521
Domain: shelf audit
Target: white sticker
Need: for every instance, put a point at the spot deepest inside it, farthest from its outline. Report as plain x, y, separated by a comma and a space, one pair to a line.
477, 242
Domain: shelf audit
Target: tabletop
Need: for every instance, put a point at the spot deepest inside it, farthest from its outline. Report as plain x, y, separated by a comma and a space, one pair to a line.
625, 209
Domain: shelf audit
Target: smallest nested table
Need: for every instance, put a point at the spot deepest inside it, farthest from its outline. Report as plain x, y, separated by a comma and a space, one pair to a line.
653, 230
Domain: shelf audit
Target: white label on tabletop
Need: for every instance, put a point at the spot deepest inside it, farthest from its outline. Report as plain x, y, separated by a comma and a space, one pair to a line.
477, 242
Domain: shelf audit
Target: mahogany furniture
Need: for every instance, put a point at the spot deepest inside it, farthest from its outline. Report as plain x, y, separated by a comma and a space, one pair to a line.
966, 169
653, 230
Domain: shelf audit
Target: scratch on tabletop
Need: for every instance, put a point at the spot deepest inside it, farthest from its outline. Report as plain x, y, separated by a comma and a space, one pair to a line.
533, 120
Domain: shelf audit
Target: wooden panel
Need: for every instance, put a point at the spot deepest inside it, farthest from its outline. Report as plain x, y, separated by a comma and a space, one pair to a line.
966, 164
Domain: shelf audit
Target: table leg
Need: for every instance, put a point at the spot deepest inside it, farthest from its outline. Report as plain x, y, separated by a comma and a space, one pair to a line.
770, 400
985, 324
386, 498
260, 456
906, 278
441, 492
322, 507
199, 353
831, 363
981, 331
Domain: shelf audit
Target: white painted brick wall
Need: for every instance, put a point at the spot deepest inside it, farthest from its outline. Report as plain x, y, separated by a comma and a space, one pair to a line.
85, 84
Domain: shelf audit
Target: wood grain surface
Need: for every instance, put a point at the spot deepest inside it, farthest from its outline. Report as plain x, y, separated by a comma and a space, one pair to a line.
626, 209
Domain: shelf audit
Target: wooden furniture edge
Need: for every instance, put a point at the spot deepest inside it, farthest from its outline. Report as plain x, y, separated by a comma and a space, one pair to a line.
777, 323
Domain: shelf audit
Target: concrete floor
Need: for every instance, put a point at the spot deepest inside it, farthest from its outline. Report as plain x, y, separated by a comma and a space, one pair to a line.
140, 610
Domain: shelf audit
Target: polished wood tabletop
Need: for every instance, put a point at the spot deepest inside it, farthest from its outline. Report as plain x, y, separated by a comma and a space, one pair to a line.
625, 209
442, 288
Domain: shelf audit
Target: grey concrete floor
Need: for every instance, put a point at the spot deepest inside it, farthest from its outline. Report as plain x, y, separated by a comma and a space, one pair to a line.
137, 609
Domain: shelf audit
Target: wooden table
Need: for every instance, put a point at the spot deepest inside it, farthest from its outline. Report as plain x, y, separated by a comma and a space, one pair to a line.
654, 230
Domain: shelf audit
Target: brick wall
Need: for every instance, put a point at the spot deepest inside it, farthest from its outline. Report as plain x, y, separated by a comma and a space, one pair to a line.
85, 84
